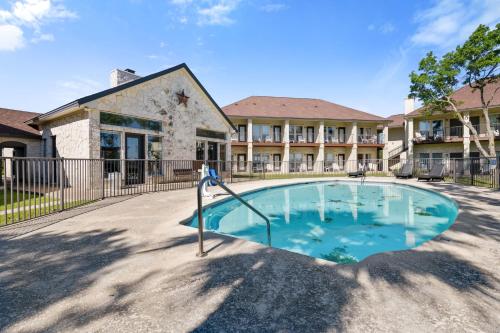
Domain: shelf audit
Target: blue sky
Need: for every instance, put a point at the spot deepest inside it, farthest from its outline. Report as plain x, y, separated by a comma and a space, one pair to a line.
355, 53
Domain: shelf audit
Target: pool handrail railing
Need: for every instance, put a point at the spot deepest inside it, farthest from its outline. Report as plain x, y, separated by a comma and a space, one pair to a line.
201, 252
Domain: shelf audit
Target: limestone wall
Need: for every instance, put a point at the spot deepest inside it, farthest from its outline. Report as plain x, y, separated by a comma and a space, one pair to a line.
157, 100
72, 135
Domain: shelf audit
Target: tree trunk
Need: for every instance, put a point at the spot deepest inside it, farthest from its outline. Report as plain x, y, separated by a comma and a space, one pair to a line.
475, 136
489, 131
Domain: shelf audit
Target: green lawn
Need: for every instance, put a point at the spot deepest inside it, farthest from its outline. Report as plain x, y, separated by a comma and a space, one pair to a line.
26, 199
39, 211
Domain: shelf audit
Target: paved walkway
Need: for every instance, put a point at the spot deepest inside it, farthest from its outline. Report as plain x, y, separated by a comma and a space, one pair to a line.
131, 267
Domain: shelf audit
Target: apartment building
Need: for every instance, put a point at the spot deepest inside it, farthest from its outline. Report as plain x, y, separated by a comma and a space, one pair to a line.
303, 134
443, 136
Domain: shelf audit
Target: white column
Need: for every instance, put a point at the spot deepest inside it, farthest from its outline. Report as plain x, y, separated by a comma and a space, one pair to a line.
286, 152
320, 138
385, 152
409, 135
352, 164
249, 141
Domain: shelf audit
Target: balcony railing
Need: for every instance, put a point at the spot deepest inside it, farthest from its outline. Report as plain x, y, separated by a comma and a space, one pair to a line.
371, 139
336, 139
263, 139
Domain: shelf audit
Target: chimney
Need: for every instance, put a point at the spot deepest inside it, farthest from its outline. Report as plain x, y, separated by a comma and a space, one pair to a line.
409, 105
119, 76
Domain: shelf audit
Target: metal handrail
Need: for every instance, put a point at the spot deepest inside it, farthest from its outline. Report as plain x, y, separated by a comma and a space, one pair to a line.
202, 182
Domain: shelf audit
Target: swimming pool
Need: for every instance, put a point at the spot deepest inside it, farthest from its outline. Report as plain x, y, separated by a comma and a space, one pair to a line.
339, 221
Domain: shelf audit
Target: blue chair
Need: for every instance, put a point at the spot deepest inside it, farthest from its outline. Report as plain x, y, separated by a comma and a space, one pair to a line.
213, 173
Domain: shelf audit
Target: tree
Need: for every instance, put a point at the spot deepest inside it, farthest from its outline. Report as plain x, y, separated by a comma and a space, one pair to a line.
476, 64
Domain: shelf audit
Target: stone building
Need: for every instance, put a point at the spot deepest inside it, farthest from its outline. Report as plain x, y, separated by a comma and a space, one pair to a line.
167, 115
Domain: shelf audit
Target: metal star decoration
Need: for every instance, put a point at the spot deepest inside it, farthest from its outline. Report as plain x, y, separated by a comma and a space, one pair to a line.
182, 98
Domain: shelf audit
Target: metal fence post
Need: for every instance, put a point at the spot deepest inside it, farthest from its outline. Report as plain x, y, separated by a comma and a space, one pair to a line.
61, 182
102, 178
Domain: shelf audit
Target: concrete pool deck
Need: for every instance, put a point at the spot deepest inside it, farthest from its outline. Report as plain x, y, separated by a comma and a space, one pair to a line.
131, 267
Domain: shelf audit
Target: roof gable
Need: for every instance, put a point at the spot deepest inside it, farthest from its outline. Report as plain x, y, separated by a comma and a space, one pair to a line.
90, 98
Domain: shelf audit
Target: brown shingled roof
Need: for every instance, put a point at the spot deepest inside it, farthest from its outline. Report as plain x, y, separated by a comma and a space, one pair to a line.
471, 99
298, 108
12, 123
397, 120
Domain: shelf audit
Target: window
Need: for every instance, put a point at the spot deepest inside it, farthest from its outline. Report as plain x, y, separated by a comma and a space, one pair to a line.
310, 134
132, 122
424, 128
342, 138
295, 162
260, 162
330, 134
296, 133
310, 162
222, 152
437, 157
53, 146
261, 133
110, 145
277, 162
242, 133
437, 128
424, 160
154, 147
154, 155
200, 150
110, 151
242, 162
277, 133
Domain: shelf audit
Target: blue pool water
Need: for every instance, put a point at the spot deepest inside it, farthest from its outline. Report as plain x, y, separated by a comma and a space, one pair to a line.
343, 222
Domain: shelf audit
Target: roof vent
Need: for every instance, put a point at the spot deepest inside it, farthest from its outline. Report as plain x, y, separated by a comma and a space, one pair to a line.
283, 105
131, 71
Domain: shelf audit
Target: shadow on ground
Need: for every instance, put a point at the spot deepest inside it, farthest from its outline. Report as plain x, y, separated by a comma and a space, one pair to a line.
40, 270
275, 290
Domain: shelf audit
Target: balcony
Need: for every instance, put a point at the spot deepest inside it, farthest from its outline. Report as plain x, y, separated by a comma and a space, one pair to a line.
453, 134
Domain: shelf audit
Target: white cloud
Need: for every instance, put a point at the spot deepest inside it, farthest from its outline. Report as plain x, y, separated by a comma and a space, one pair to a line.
11, 37
385, 28
273, 7
43, 38
205, 12
218, 13
77, 87
30, 16
449, 22
181, 2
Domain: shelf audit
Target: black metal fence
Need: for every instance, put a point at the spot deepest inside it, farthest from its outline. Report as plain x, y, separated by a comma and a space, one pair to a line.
34, 187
